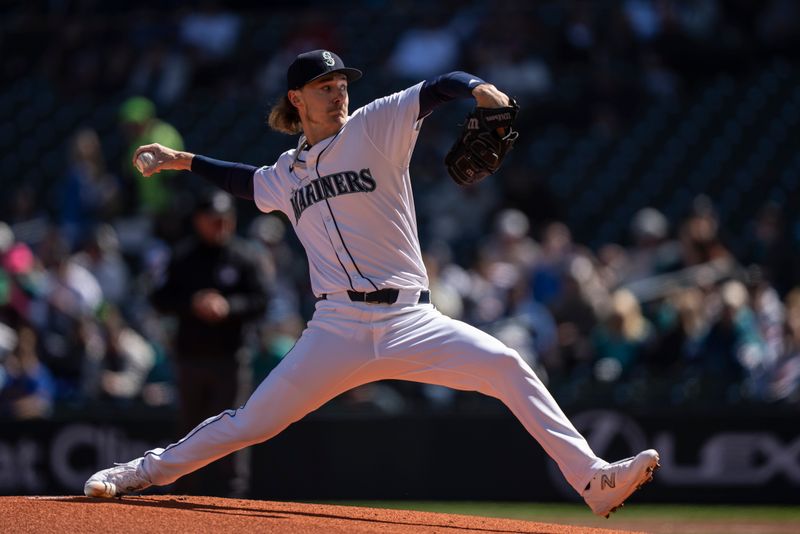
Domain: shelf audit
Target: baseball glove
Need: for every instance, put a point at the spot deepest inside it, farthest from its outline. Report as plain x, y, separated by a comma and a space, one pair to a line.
480, 150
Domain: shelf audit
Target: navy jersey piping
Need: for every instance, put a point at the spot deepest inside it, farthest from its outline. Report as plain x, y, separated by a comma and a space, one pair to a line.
336, 224
291, 169
349, 278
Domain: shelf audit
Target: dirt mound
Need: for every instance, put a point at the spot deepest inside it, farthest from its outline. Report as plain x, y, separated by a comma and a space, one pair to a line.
171, 513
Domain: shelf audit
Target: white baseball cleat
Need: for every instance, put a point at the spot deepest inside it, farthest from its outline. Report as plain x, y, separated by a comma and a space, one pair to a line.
614, 483
117, 481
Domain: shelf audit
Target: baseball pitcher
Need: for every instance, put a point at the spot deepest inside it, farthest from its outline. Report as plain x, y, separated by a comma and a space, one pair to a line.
347, 191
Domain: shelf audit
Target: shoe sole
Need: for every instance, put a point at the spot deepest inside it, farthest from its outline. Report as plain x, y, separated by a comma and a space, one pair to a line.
649, 472
100, 489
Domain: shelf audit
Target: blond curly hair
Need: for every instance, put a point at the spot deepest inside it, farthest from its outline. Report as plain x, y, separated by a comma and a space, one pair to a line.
284, 118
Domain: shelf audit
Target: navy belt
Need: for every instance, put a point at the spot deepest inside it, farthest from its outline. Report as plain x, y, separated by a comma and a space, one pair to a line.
382, 296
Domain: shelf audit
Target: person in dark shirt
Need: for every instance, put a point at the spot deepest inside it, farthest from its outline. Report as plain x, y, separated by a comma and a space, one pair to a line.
215, 288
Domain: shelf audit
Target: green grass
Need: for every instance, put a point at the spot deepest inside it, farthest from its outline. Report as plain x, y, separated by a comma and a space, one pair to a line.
559, 512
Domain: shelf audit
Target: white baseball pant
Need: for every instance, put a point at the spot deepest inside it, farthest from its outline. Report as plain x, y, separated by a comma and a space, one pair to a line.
347, 344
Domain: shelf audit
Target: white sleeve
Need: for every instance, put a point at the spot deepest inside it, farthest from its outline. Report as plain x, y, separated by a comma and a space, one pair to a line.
392, 124
266, 189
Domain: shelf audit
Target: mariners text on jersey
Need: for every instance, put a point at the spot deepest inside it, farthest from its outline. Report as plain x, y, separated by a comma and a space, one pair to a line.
331, 185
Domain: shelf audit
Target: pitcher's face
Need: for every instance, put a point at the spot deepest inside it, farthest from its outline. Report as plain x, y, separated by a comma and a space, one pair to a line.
322, 105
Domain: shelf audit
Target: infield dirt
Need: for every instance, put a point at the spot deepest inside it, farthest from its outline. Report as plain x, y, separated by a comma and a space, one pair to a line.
173, 513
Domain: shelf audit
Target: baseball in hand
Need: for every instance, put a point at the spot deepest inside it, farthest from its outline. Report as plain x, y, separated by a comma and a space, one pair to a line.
144, 161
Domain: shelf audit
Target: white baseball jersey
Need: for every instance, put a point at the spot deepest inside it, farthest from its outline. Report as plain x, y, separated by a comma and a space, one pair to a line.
349, 198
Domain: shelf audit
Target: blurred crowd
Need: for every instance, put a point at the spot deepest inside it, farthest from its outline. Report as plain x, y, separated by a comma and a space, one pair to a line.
675, 314
605, 55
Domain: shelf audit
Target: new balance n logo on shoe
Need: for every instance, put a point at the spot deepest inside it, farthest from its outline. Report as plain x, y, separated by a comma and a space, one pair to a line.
613, 483
608, 481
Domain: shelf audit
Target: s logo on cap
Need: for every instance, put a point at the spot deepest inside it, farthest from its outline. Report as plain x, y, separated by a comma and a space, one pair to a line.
309, 66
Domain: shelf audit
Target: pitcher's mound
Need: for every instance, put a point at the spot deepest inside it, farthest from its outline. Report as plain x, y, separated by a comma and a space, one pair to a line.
177, 513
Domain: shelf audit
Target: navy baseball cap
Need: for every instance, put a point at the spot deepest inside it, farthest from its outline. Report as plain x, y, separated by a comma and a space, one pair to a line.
309, 66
